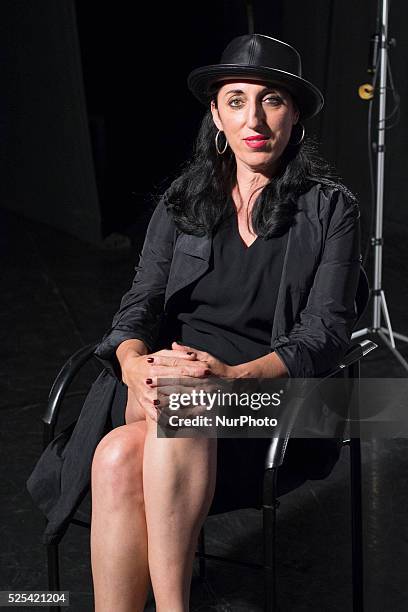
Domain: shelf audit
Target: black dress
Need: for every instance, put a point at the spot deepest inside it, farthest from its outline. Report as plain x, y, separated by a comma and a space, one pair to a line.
228, 312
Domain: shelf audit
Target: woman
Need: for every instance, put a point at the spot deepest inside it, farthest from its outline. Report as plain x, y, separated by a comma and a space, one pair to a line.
210, 277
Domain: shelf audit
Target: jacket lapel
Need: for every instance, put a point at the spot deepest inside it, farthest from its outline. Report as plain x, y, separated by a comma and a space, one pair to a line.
278, 325
191, 256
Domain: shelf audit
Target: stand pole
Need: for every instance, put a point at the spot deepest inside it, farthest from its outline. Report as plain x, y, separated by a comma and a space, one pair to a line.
377, 293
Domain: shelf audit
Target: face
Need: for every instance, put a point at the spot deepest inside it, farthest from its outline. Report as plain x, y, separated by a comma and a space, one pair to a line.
258, 110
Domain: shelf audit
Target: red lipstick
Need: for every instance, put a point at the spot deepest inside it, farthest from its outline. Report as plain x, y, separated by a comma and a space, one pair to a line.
256, 142
257, 137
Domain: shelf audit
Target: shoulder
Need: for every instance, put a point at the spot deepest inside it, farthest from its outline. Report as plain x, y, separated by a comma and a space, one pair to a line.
161, 222
328, 199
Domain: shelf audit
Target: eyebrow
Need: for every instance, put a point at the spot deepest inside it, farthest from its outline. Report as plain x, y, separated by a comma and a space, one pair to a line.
240, 91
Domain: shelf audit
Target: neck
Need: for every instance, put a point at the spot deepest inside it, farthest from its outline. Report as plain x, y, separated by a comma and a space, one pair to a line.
248, 185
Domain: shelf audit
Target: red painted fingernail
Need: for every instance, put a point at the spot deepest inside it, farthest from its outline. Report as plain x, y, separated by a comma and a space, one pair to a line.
150, 359
156, 401
149, 381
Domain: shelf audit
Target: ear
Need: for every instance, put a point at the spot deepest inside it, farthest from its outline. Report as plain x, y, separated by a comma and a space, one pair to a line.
216, 116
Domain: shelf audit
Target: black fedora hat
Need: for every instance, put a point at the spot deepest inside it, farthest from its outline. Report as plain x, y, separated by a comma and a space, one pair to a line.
262, 58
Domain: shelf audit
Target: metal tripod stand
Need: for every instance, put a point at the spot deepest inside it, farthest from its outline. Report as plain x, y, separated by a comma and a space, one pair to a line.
386, 334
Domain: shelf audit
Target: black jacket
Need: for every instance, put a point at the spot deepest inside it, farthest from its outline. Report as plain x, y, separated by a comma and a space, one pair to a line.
315, 310
313, 321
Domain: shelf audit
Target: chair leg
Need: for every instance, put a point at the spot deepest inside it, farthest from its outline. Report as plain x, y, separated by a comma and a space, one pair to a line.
201, 553
53, 572
356, 524
270, 505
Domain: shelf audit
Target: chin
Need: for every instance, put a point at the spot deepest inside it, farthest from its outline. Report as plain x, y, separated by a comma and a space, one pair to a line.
259, 158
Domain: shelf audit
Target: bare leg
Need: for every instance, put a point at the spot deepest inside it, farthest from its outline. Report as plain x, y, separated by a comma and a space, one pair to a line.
179, 477
150, 497
118, 529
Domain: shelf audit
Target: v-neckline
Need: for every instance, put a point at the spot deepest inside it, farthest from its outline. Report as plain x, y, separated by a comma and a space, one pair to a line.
241, 240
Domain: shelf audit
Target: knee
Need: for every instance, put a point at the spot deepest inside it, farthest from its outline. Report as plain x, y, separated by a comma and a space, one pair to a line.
117, 465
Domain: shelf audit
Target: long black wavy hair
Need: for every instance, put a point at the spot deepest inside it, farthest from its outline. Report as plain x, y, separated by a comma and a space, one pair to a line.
200, 197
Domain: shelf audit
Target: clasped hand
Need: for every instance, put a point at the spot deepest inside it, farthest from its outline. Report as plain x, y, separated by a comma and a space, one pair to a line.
184, 367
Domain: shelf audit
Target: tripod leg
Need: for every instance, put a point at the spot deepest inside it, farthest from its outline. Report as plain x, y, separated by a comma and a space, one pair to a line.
387, 318
395, 351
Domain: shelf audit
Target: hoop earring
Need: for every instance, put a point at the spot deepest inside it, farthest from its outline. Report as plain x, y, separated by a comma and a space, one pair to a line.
295, 144
217, 146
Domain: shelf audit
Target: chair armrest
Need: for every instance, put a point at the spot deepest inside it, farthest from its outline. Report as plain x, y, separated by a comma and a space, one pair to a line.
356, 352
276, 451
63, 380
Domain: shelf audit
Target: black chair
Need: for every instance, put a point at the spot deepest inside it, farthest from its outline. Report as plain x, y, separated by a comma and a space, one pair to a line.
274, 459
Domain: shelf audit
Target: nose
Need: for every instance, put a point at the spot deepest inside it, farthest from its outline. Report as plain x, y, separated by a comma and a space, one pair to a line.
255, 115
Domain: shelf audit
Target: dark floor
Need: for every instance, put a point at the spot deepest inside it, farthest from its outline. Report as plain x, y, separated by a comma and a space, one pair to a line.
59, 294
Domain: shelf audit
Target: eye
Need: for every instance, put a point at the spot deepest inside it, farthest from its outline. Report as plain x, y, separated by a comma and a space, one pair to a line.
274, 100
235, 102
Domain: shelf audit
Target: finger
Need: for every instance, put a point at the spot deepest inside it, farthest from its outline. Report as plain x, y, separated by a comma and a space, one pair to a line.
180, 354
151, 411
189, 382
179, 345
146, 401
159, 399
176, 397
171, 360
167, 390
172, 383
174, 392
187, 348
202, 355
182, 405
196, 369
184, 384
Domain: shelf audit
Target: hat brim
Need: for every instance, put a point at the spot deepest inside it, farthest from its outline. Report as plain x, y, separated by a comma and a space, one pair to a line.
307, 96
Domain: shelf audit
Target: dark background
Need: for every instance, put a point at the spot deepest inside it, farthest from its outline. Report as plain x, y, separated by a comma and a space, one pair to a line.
97, 116
95, 119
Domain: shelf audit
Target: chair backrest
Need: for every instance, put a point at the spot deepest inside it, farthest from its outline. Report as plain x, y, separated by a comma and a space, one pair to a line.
60, 386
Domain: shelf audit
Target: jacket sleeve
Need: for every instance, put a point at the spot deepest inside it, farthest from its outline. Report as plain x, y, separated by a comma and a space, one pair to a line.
321, 335
141, 308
